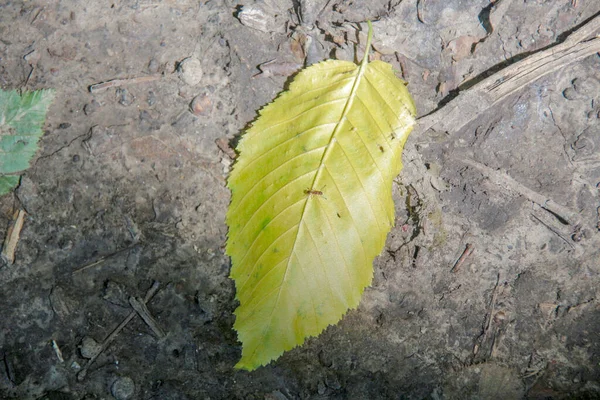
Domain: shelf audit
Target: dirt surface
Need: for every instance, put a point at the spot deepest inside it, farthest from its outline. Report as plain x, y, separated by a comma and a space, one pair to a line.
129, 188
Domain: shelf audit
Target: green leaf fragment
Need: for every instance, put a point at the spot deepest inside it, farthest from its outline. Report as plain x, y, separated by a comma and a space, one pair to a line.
21, 121
311, 202
8, 183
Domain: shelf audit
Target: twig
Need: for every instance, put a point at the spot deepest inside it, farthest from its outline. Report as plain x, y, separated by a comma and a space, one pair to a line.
99, 87
490, 317
487, 93
140, 307
466, 253
102, 259
505, 181
57, 351
493, 304
149, 294
553, 230
12, 237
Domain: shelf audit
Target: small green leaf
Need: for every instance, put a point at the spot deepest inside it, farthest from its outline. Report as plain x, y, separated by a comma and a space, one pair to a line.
312, 203
21, 121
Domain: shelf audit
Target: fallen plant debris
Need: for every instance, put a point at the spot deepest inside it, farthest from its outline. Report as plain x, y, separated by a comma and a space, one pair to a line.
12, 237
463, 257
106, 342
113, 83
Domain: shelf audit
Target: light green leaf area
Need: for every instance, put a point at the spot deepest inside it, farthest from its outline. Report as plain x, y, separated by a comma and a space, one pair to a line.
312, 202
8, 182
21, 121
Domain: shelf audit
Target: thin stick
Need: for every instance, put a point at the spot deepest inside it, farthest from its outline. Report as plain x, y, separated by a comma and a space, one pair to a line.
465, 254
102, 259
490, 318
503, 180
553, 230
149, 294
140, 307
57, 351
493, 303
12, 237
99, 87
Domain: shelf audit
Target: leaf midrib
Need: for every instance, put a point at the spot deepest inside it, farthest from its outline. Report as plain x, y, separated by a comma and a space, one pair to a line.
326, 154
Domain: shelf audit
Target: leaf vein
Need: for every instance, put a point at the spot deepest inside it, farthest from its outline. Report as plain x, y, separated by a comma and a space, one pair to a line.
270, 197
257, 303
363, 188
262, 230
337, 243
273, 149
357, 133
362, 246
261, 255
317, 248
308, 110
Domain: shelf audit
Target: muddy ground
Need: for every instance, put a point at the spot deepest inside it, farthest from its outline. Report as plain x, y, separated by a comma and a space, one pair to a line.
128, 188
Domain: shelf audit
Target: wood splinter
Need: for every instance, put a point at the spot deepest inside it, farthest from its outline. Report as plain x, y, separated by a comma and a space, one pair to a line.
12, 237
461, 260
99, 87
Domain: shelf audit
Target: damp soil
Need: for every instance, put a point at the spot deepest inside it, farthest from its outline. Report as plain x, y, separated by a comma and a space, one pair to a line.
129, 188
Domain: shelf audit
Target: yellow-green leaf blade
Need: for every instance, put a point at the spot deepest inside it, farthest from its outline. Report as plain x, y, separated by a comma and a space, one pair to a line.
311, 202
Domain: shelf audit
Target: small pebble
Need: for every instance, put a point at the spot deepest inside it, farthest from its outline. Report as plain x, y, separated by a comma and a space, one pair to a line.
89, 347
125, 98
123, 388
190, 71
321, 388
570, 94
91, 108
153, 66
151, 98
255, 17
64, 125
115, 293
201, 105
61, 304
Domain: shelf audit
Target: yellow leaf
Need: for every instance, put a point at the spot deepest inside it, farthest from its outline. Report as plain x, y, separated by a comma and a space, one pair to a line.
311, 202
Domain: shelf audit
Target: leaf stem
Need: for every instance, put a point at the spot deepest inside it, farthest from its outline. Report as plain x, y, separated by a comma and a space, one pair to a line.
365, 59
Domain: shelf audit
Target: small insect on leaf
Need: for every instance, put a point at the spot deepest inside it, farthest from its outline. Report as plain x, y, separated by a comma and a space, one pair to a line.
313, 192
327, 130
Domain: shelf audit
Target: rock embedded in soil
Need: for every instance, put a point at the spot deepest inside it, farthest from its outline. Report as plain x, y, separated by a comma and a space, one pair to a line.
123, 388
89, 347
190, 71
91, 107
201, 105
